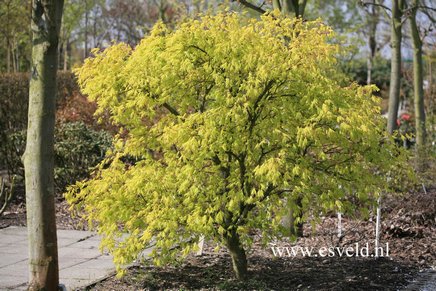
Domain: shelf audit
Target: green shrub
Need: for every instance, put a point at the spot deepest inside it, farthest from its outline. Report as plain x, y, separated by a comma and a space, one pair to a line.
14, 97
357, 70
77, 149
71, 107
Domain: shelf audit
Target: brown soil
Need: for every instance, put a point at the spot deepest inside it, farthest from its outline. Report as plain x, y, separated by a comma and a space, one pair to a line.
15, 214
408, 226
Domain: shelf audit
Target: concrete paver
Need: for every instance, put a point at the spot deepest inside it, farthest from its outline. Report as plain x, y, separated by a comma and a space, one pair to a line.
80, 261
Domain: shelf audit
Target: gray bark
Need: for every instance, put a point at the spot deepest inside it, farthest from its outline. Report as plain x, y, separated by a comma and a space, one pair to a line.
395, 81
39, 157
277, 5
418, 81
372, 42
65, 50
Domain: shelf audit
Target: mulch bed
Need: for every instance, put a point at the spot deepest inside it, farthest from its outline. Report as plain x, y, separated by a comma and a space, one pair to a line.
15, 214
408, 225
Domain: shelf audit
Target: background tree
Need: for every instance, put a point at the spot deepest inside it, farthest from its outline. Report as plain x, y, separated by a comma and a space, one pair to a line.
39, 156
373, 14
73, 13
395, 82
14, 27
227, 119
418, 72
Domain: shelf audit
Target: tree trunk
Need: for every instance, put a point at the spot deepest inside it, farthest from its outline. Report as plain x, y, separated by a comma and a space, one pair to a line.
277, 5
287, 7
85, 53
296, 228
65, 67
39, 157
302, 8
369, 70
8, 56
372, 42
17, 56
14, 60
418, 83
237, 253
293, 229
395, 82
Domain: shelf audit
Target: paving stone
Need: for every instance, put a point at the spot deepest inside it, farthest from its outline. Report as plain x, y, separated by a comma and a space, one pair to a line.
102, 262
12, 248
12, 239
11, 259
92, 243
14, 270
80, 261
83, 273
74, 234
11, 282
63, 264
78, 253
14, 230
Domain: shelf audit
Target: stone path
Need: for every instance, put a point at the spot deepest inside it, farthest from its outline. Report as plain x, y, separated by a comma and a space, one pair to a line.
80, 261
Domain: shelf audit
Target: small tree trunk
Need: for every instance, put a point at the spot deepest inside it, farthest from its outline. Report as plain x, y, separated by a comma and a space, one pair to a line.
237, 253
14, 56
369, 70
287, 7
17, 57
8, 57
277, 5
293, 229
394, 88
85, 53
418, 85
378, 226
339, 225
65, 55
372, 42
39, 156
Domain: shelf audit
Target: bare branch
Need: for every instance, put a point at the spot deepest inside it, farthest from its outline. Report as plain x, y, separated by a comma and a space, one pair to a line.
171, 109
365, 4
251, 6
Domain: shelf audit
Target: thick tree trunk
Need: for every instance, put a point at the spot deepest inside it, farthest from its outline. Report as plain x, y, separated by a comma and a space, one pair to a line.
38, 157
395, 82
418, 83
237, 253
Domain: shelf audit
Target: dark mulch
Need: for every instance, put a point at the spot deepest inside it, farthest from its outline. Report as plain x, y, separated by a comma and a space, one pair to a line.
212, 272
408, 225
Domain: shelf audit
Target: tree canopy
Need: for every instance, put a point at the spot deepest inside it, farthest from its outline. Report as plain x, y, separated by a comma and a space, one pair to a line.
224, 121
